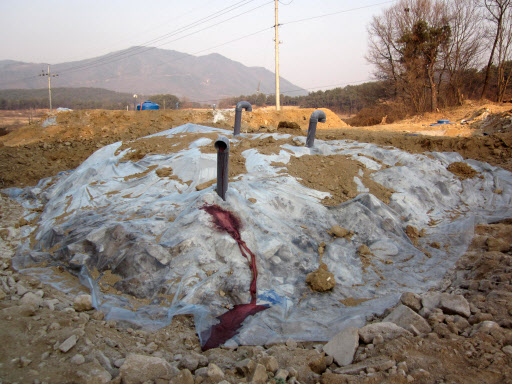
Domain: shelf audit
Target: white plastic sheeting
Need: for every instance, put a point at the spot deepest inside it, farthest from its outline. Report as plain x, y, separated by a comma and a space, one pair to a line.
150, 231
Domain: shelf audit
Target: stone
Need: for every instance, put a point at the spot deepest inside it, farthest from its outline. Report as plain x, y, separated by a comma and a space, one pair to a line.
270, 363
318, 364
291, 344
411, 300
78, 359
378, 339
259, 375
32, 299
436, 316
203, 360
379, 363
98, 315
24, 361
405, 317
51, 303
455, 305
450, 304
403, 366
93, 373
479, 317
119, 362
215, 373
507, 349
21, 289
201, 372
245, 367
485, 327
101, 358
2, 294
414, 330
343, 346
83, 303
387, 330
69, 343
139, 368
184, 377
281, 374
189, 362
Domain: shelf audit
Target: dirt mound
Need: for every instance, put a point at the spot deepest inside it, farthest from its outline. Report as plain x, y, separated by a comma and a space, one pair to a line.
500, 122
456, 350
267, 117
471, 119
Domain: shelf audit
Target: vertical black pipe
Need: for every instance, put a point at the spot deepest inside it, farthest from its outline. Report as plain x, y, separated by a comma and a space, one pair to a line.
238, 114
222, 146
317, 116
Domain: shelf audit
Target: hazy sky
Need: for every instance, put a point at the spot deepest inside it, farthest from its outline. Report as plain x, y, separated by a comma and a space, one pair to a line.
322, 52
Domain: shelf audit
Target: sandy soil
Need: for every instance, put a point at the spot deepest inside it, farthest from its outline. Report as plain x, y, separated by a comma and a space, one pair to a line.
38, 323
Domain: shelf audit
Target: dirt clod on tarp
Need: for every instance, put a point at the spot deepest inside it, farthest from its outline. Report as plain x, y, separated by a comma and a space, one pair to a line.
321, 280
337, 231
462, 170
335, 174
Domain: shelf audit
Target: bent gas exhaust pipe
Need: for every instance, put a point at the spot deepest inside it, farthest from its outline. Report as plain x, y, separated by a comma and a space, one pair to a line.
238, 114
222, 147
317, 116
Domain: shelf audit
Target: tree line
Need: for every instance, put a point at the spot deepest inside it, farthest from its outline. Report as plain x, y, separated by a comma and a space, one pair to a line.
79, 98
436, 53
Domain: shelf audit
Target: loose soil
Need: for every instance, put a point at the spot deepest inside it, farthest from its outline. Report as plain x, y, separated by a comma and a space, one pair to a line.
451, 353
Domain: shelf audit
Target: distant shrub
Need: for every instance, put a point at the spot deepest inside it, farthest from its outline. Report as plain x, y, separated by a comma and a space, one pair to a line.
381, 113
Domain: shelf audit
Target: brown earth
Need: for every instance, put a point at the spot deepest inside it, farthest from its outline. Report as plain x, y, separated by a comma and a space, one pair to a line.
458, 350
12, 120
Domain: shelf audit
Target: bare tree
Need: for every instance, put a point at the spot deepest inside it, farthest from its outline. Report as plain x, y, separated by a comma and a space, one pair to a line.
462, 53
412, 74
504, 56
498, 12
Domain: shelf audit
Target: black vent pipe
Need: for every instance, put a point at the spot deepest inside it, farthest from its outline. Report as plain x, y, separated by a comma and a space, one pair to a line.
238, 114
317, 116
222, 147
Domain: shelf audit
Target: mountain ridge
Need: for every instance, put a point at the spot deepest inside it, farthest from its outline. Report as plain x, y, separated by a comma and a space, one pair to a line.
153, 71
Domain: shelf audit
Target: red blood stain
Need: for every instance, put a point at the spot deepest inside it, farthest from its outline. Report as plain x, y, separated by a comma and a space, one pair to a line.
232, 320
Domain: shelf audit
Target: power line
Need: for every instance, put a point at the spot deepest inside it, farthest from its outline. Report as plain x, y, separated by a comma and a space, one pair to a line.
200, 21
138, 50
337, 13
174, 32
293, 90
203, 50
50, 75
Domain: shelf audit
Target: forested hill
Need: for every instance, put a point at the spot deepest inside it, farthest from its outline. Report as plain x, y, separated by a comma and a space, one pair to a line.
150, 71
75, 98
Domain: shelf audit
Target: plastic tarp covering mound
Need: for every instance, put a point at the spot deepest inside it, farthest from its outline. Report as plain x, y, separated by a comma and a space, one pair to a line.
118, 221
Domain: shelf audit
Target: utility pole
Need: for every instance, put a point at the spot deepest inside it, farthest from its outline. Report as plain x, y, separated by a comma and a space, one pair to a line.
278, 104
49, 84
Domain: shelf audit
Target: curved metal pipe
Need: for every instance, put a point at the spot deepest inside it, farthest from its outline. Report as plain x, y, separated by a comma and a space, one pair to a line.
238, 114
317, 116
222, 147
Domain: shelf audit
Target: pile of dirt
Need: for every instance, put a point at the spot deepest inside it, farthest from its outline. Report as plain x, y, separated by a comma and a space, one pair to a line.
49, 338
56, 337
334, 174
495, 123
269, 117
